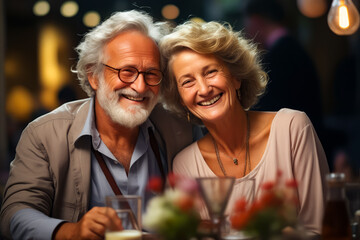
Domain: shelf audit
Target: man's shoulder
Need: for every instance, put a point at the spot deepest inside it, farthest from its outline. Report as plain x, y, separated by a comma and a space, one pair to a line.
67, 111
62, 124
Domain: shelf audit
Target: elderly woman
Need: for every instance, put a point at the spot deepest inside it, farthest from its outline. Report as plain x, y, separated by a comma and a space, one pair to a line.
214, 77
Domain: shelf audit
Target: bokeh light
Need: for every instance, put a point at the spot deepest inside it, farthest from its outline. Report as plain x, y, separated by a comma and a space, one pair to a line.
41, 8
91, 19
69, 9
170, 11
20, 103
197, 19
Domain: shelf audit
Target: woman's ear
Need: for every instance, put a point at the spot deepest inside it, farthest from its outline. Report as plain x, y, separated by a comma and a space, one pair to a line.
236, 82
182, 102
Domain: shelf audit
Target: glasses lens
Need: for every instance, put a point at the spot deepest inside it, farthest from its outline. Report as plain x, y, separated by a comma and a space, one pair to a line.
128, 74
153, 77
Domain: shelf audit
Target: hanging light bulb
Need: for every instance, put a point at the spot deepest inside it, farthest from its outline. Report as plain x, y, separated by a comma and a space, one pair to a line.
343, 17
312, 8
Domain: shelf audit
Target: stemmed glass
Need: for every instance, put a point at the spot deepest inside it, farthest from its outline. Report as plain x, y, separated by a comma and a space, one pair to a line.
352, 190
216, 192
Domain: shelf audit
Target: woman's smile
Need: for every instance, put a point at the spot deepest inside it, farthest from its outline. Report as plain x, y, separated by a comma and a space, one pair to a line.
211, 101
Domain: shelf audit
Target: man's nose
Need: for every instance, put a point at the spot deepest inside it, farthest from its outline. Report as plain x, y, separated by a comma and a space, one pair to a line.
139, 85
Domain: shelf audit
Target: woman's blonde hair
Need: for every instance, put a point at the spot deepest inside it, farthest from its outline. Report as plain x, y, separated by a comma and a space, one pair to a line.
240, 55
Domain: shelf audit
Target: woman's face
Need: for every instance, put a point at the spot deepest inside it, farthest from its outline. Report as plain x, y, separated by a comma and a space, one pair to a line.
205, 84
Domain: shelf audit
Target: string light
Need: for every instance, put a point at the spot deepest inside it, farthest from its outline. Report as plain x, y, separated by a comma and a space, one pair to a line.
312, 8
41, 8
69, 9
91, 19
343, 17
170, 11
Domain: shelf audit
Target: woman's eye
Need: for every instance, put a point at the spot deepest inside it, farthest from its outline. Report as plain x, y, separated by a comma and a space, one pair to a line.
186, 83
211, 73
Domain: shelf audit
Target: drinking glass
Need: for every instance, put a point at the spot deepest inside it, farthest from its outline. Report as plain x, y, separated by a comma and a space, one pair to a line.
216, 192
128, 209
353, 196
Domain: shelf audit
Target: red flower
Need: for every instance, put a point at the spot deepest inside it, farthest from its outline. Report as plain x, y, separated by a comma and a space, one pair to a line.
268, 185
270, 199
240, 205
292, 183
173, 179
185, 203
271, 212
239, 220
155, 184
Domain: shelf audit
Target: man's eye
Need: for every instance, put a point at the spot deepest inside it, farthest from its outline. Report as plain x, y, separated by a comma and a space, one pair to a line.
128, 70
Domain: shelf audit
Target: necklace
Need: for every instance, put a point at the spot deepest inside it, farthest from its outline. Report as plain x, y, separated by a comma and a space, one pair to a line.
235, 160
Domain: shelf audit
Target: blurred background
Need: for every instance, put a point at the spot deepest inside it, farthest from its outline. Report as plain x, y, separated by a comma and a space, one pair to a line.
37, 41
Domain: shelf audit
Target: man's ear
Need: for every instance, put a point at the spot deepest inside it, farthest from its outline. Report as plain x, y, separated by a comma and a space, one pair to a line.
93, 81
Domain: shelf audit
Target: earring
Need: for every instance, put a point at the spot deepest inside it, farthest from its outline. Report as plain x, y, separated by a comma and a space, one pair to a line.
188, 116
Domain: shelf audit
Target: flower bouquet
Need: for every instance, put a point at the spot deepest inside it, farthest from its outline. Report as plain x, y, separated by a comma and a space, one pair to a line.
268, 216
172, 214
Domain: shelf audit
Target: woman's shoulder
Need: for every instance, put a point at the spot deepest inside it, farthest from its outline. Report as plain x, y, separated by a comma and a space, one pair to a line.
186, 159
283, 120
188, 152
292, 117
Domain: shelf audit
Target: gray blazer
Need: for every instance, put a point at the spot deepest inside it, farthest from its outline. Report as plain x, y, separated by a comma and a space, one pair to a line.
51, 170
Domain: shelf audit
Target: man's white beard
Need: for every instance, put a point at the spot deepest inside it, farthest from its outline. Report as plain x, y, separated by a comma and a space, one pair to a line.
130, 117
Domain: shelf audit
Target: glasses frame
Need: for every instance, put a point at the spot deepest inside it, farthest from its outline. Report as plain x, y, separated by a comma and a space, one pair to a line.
138, 73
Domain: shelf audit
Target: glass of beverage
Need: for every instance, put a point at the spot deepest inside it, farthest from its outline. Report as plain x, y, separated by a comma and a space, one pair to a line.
128, 209
336, 221
216, 192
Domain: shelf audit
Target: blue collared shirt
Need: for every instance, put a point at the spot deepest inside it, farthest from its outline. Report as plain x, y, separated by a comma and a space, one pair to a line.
30, 223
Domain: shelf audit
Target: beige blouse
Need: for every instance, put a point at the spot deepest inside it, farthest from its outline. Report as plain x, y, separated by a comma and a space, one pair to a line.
294, 148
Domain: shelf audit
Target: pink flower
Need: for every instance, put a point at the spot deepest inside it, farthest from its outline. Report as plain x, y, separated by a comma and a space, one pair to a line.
188, 185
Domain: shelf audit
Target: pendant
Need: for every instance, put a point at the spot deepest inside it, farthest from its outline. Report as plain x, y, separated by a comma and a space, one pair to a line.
235, 161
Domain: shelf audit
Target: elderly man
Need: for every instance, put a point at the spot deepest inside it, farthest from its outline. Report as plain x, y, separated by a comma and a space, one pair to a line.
57, 184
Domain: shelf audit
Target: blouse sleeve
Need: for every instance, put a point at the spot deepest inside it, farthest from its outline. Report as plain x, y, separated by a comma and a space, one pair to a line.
310, 168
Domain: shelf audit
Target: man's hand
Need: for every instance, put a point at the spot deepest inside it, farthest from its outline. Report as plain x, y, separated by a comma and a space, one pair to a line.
91, 226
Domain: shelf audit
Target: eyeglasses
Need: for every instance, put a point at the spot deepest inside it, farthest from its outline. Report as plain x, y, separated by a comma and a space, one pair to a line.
152, 77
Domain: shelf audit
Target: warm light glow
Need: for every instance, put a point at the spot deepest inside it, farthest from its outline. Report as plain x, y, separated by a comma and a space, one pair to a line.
41, 8
312, 8
11, 66
53, 74
91, 19
170, 11
69, 9
20, 103
343, 17
197, 19
48, 98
